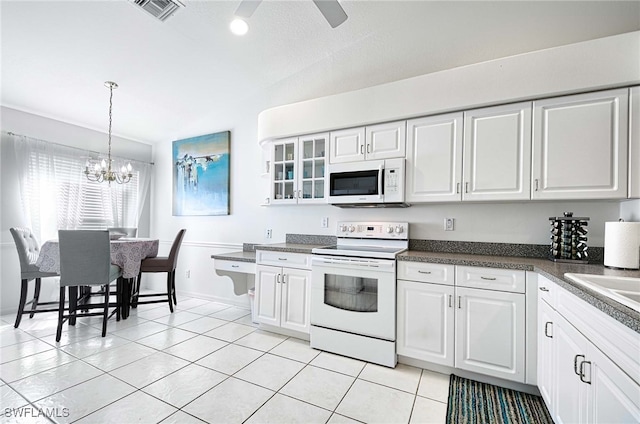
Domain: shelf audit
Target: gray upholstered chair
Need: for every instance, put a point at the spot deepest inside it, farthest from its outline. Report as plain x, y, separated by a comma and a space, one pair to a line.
126, 231
28, 251
85, 260
161, 264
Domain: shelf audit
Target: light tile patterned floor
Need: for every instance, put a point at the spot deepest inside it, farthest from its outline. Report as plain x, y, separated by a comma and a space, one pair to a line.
205, 362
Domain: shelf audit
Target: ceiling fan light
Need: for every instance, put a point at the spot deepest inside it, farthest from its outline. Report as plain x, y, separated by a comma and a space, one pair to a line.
238, 27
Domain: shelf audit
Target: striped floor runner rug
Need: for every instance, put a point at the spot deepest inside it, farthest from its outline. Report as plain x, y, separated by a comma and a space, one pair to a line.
474, 402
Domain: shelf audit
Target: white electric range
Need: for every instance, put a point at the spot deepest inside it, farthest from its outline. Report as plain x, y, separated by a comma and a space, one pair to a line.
353, 291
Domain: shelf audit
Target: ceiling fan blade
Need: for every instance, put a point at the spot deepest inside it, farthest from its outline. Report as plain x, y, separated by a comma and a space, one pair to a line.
247, 7
332, 11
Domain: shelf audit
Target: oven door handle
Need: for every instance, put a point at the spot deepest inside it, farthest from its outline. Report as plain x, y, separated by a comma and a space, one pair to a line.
352, 263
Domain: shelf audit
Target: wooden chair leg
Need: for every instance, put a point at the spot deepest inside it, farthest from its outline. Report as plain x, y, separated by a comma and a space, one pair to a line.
105, 315
36, 296
60, 314
169, 291
73, 304
23, 300
136, 291
118, 299
173, 286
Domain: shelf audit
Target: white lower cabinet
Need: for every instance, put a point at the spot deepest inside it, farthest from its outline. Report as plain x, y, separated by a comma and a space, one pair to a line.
426, 321
578, 381
480, 330
490, 332
283, 297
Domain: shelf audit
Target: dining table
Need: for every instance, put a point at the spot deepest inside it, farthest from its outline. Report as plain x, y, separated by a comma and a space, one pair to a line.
126, 252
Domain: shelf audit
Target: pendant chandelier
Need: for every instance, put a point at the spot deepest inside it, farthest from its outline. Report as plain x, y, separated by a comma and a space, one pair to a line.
102, 171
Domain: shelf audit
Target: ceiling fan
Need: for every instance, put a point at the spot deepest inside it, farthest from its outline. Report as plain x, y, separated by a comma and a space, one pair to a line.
330, 9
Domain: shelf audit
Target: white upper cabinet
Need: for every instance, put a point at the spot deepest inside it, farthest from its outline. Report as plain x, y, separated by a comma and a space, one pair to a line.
634, 143
386, 141
298, 169
434, 158
347, 145
580, 146
382, 141
497, 153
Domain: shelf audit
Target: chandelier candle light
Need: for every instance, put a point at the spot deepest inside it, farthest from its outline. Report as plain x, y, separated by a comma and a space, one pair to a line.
102, 171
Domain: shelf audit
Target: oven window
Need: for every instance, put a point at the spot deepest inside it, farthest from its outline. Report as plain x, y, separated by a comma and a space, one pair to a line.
351, 293
354, 183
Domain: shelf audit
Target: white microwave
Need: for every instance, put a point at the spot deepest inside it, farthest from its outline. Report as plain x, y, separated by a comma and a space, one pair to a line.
374, 183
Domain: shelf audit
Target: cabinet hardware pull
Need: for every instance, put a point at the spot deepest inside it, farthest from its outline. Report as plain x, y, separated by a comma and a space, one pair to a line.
362, 149
284, 276
295, 194
450, 300
368, 148
466, 187
575, 363
546, 333
582, 373
544, 289
459, 307
457, 188
277, 278
424, 272
537, 184
282, 259
488, 278
299, 194
235, 266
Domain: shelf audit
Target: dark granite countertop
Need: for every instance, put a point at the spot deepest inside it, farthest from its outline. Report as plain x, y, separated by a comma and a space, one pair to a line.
237, 256
552, 270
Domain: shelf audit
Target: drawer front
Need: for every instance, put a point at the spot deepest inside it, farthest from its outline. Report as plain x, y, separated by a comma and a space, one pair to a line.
426, 272
291, 260
547, 291
508, 280
235, 266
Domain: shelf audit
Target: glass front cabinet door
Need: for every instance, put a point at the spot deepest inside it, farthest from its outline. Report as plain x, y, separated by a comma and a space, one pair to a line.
298, 171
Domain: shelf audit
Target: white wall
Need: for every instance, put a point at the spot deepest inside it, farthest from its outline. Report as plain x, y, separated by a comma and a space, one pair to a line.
35, 126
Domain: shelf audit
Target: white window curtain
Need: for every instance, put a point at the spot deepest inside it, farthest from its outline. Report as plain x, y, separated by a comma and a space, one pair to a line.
56, 195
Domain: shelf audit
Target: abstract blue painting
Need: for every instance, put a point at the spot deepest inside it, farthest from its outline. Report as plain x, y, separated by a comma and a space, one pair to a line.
201, 175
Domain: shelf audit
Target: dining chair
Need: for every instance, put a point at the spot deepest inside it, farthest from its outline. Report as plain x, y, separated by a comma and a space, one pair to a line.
28, 251
126, 231
85, 260
161, 264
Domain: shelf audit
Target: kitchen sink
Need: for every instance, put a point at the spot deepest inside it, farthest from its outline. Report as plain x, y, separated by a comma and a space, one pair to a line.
625, 290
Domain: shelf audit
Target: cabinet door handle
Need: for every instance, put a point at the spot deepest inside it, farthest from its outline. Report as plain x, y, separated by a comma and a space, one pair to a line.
235, 266
362, 149
299, 194
466, 187
450, 300
277, 278
537, 184
582, 373
459, 304
546, 333
457, 188
424, 272
284, 278
544, 289
368, 148
575, 364
488, 278
282, 259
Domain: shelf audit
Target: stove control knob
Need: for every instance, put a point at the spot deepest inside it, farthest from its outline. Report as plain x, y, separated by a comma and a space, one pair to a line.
351, 228
389, 229
343, 228
399, 229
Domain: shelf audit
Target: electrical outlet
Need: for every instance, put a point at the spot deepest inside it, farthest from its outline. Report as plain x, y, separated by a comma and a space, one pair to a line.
324, 222
268, 233
448, 224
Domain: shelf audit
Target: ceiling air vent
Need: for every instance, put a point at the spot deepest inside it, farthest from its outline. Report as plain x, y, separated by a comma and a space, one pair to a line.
160, 9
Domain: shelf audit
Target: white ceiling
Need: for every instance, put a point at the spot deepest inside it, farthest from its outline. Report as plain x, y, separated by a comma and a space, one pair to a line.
178, 75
